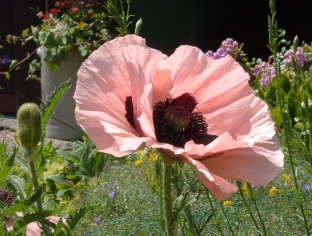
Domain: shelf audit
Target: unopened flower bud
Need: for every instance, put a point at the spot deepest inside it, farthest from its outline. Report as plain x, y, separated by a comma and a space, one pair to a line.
28, 132
138, 26
296, 44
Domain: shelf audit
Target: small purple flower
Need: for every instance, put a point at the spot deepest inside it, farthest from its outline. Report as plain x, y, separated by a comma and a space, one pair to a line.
66, 216
226, 48
307, 186
173, 191
109, 186
256, 185
5, 59
97, 220
300, 58
111, 194
267, 72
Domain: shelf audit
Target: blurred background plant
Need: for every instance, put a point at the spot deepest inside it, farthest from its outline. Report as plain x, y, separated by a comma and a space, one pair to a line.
83, 25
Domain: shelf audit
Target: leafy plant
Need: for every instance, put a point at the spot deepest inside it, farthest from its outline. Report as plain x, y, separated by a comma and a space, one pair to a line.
72, 169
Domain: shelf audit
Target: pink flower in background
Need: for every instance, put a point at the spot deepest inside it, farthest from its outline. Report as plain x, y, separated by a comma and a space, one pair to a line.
32, 229
192, 108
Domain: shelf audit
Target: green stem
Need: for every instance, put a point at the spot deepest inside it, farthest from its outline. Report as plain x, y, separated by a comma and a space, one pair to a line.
257, 209
171, 222
247, 206
35, 181
214, 212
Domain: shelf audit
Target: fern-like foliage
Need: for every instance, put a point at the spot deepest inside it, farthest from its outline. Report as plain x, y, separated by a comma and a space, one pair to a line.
17, 185
6, 163
46, 110
51, 102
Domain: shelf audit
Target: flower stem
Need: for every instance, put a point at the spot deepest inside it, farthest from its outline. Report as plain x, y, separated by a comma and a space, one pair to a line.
34, 177
171, 223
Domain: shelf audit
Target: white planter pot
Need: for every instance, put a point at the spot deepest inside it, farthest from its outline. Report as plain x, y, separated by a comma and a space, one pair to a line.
65, 109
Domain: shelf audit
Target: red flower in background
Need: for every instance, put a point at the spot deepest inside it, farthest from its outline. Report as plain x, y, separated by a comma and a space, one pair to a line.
41, 15
74, 9
55, 11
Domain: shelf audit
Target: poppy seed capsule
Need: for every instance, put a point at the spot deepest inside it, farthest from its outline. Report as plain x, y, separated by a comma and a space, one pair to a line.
179, 117
28, 125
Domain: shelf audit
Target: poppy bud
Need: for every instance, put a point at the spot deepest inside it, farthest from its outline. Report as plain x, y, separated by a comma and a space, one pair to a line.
138, 27
28, 132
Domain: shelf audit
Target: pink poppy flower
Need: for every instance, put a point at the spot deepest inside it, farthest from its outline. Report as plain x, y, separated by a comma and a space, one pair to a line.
192, 108
32, 229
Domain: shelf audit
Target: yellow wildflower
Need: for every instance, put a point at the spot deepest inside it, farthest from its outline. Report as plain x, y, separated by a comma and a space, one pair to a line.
152, 157
273, 191
227, 203
245, 189
138, 163
287, 180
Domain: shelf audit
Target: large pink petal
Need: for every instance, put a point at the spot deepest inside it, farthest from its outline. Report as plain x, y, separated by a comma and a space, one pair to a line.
220, 187
112, 73
254, 126
257, 165
248, 152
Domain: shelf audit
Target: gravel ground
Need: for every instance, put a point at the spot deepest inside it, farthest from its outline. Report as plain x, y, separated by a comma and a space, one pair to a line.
8, 128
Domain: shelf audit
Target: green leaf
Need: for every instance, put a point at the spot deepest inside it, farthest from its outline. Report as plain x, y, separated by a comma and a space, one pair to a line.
74, 218
287, 124
62, 52
25, 32
276, 115
68, 156
49, 41
13, 63
62, 191
7, 166
34, 66
41, 36
35, 30
57, 178
48, 107
84, 49
66, 39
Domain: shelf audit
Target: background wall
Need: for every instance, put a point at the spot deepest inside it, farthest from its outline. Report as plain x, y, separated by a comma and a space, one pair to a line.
206, 23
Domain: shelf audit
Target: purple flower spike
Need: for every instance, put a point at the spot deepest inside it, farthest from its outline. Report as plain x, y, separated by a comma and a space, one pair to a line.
227, 46
300, 58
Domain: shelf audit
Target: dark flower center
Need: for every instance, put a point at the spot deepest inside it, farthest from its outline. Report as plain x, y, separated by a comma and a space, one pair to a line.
175, 121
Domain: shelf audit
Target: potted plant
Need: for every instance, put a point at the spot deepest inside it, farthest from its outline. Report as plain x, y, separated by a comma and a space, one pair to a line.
68, 33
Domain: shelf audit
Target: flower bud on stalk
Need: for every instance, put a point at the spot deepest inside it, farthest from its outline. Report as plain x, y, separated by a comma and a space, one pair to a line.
28, 126
138, 26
